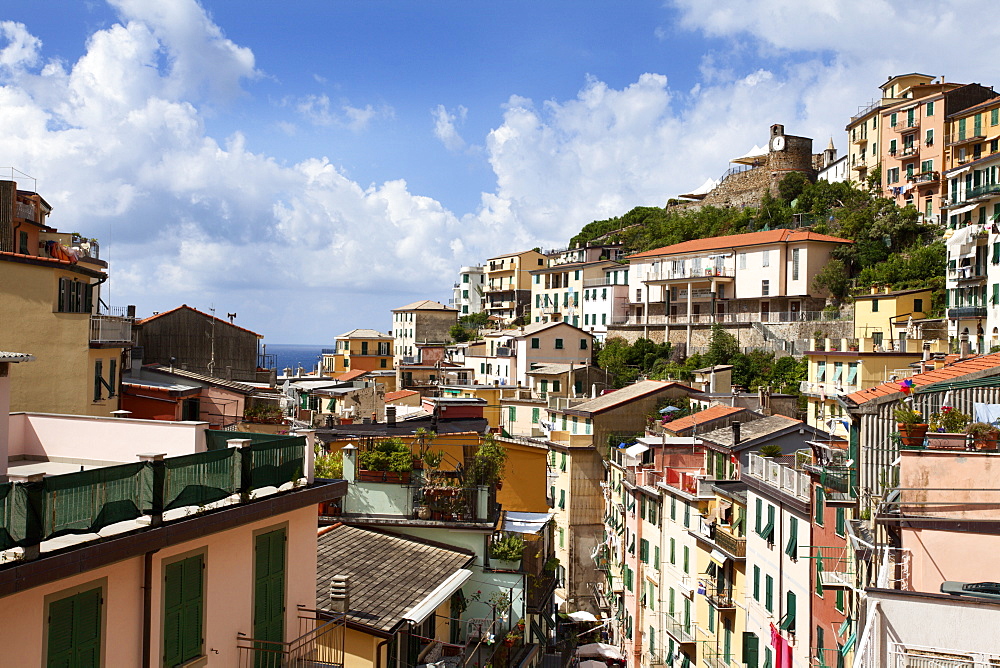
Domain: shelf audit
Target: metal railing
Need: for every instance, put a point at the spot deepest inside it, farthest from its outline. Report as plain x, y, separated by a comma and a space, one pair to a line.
318, 647
781, 477
666, 274
111, 329
967, 312
975, 134
776, 317
732, 544
912, 656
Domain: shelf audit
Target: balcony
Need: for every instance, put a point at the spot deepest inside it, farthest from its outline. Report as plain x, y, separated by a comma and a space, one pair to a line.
905, 125
958, 138
972, 272
682, 632
736, 547
110, 330
830, 389
859, 137
320, 643
597, 282
982, 192
666, 274
907, 151
722, 599
926, 177
959, 312
783, 478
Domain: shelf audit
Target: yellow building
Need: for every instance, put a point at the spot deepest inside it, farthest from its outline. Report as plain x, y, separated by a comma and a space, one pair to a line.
359, 350
508, 284
50, 307
890, 330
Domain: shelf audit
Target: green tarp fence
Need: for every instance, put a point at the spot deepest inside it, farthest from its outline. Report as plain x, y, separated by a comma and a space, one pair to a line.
215, 439
276, 462
13, 511
88, 501
201, 478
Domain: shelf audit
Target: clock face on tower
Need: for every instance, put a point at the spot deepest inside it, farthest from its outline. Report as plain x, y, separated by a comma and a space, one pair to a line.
778, 143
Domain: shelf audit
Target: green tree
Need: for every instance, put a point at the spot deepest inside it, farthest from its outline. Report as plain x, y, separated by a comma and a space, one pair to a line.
722, 347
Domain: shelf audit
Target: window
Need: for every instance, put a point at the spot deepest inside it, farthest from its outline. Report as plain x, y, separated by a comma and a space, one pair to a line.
583, 344
840, 600
795, 264
559, 344
673, 551
74, 629
98, 378
788, 624
535, 342
929, 109
511, 414
792, 549
756, 583
644, 551
562, 499
74, 296
183, 610
269, 586
769, 593
892, 147
562, 462
687, 559
751, 649
820, 505
656, 556
757, 516
742, 261
765, 288
929, 137
673, 511
927, 166
534, 415
765, 258
874, 306
841, 521
22, 242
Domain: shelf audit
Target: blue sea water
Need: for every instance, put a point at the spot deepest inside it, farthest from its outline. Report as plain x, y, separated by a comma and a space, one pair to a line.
293, 356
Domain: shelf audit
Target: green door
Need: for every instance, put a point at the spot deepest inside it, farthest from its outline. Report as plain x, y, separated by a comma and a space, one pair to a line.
183, 607
75, 631
269, 596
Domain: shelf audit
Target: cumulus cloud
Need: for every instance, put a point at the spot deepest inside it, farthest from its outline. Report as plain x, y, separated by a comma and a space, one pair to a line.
320, 111
22, 47
444, 126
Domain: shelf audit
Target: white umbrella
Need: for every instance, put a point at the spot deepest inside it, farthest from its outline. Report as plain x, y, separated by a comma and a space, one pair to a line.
602, 650
582, 616
590, 663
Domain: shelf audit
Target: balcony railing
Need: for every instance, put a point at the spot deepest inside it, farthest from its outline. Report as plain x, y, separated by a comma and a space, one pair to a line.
905, 125
986, 190
830, 389
734, 545
926, 177
321, 645
902, 656
967, 312
781, 477
683, 632
724, 318
87, 501
667, 274
956, 138
111, 329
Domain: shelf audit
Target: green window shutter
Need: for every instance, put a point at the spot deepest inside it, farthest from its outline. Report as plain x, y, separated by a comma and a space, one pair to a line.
769, 593
767, 657
673, 509
711, 618
562, 498
75, 630
687, 558
994, 116
562, 463
756, 583
751, 649
841, 520
534, 416
996, 252
671, 600
183, 610
759, 511
656, 556
511, 414
820, 505
269, 587
788, 624
673, 550
792, 549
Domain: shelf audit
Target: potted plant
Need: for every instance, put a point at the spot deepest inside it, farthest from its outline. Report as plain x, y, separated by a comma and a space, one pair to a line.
912, 427
771, 450
984, 435
487, 465
389, 460
947, 429
506, 552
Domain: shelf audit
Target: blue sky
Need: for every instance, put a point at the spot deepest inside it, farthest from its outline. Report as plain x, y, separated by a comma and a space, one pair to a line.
314, 164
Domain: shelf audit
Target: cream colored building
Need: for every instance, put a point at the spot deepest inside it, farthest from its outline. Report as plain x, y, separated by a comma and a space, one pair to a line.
421, 322
508, 285
50, 307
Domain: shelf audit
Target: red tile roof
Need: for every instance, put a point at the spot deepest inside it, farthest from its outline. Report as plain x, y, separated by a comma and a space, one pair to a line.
707, 415
952, 371
351, 375
212, 317
739, 240
399, 394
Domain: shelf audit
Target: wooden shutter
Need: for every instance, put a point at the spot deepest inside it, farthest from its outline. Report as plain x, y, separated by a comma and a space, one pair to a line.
183, 610
75, 630
751, 649
269, 586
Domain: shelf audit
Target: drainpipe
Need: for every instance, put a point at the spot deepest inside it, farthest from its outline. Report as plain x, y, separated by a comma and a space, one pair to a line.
147, 606
378, 652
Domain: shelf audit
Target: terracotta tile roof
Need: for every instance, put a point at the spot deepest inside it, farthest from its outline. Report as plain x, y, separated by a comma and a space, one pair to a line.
388, 574
740, 240
211, 317
399, 394
952, 371
351, 375
625, 395
707, 415
425, 305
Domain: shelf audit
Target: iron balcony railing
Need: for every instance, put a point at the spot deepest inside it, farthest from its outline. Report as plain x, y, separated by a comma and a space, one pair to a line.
321, 646
111, 329
967, 312
975, 134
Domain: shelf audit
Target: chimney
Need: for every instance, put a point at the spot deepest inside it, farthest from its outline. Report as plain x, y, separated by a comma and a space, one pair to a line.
340, 597
963, 345
926, 351
390, 416
736, 434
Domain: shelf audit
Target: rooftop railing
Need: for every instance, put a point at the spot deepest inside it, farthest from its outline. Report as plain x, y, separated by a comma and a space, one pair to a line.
775, 475
39, 508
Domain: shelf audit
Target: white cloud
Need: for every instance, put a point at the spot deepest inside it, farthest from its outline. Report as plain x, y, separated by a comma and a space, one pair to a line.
444, 126
319, 110
22, 47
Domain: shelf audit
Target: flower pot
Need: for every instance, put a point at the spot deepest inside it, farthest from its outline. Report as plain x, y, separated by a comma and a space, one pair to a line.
424, 512
985, 442
365, 475
946, 440
912, 435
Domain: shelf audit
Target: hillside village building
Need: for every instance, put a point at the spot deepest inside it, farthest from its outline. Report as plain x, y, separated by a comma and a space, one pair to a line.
505, 356
50, 286
558, 291
470, 291
508, 285
359, 350
422, 322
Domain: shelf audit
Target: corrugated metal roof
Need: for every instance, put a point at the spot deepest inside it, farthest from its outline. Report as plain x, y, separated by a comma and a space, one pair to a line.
6, 356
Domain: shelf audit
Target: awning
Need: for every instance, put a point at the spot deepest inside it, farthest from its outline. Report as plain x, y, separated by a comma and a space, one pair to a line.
525, 522
962, 209
718, 557
591, 663
635, 450
956, 172
582, 616
668, 409
602, 650
439, 595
